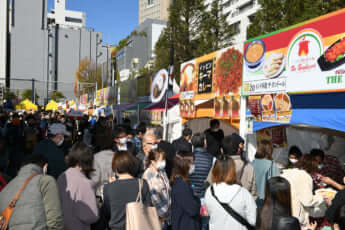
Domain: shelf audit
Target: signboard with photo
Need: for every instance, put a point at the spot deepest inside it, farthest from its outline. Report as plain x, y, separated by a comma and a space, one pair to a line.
305, 58
213, 75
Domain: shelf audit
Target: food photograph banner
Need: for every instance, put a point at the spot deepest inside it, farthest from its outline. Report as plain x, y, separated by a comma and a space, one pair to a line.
305, 58
227, 107
216, 74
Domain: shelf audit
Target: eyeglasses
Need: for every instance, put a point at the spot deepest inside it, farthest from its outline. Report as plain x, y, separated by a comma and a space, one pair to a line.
150, 143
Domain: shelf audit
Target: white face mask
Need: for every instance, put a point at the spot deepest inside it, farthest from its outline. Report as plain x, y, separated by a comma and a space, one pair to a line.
320, 166
60, 142
123, 140
161, 165
154, 147
293, 161
191, 169
215, 130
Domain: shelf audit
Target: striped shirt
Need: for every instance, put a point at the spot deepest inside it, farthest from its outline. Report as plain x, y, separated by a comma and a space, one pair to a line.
203, 163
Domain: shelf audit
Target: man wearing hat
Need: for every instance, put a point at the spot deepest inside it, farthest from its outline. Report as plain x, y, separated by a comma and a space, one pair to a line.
49, 148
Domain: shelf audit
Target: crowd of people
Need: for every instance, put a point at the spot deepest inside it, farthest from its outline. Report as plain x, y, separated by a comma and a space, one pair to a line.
82, 175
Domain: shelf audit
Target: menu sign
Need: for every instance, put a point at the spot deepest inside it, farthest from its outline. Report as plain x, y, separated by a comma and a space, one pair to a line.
271, 107
205, 77
308, 57
215, 74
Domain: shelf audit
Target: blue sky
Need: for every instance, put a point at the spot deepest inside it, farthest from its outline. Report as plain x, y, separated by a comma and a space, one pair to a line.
116, 19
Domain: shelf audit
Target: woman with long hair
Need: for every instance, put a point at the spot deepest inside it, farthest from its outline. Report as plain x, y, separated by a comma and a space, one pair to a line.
78, 198
224, 189
277, 211
159, 184
185, 206
264, 168
301, 182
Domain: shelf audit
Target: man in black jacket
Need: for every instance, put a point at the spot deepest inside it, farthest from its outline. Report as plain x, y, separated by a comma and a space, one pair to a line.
214, 137
183, 143
121, 142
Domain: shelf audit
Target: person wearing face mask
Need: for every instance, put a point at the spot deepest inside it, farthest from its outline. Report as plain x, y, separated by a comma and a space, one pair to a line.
121, 142
149, 143
49, 148
183, 143
38, 206
159, 186
295, 155
185, 205
214, 136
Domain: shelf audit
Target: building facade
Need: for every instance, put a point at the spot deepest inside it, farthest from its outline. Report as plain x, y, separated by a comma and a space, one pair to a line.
66, 18
49, 52
240, 14
153, 9
139, 51
3, 40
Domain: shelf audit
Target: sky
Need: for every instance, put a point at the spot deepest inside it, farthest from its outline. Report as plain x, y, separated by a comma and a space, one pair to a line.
116, 19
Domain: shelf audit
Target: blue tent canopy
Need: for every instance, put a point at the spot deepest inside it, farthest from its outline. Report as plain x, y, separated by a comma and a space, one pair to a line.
325, 110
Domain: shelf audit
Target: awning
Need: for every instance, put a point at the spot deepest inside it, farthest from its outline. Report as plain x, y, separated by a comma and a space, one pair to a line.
160, 106
319, 110
140, 105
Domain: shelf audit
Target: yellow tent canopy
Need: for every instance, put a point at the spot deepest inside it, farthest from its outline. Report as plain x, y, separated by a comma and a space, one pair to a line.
26, 105
52, 105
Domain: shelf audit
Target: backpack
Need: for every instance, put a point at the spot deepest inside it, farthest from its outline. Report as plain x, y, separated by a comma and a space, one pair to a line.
3, 182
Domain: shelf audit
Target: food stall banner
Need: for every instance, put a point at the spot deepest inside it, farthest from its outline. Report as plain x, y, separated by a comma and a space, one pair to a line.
305, 58
159, 85
100, 97
216, 74
83, 99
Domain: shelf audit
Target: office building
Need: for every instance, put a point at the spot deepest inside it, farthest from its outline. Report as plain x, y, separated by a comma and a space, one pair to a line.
48, 52
153, 9
240, 14
3, 40
66, 18
139, 51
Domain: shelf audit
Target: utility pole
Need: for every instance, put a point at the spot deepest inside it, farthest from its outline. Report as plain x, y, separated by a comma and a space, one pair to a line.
33, 91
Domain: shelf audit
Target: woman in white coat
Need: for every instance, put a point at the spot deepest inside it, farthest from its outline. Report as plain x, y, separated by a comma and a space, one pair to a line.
227, 191
303, 199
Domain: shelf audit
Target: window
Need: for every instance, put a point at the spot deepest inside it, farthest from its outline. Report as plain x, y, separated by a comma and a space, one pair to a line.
246, 6
76, 20
149, 2
236, 27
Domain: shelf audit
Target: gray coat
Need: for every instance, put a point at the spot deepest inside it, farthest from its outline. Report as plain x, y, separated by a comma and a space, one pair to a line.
38, 207
103, 170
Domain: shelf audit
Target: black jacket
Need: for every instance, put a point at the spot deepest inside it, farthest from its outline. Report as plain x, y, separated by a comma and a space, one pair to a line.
338, 201
214, 140
182, 144
185, 207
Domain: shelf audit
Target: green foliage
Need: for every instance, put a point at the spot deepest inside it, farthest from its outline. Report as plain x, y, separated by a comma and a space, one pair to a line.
57, 96
277, 14
27, 94
134, 33
216, 32
183, 32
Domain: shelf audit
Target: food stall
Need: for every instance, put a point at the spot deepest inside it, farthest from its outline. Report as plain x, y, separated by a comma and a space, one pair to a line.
293, 83
210, 88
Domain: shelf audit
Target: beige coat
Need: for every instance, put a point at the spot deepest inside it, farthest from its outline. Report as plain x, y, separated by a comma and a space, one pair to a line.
302, 196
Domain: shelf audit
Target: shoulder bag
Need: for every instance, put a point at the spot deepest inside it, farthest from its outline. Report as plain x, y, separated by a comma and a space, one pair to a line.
140, 216
232, 212
5, 216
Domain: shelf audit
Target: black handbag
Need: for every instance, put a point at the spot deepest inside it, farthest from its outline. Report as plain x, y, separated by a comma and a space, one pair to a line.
233, 213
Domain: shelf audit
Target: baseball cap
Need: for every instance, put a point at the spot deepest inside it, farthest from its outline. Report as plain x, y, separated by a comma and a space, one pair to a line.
58, 128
